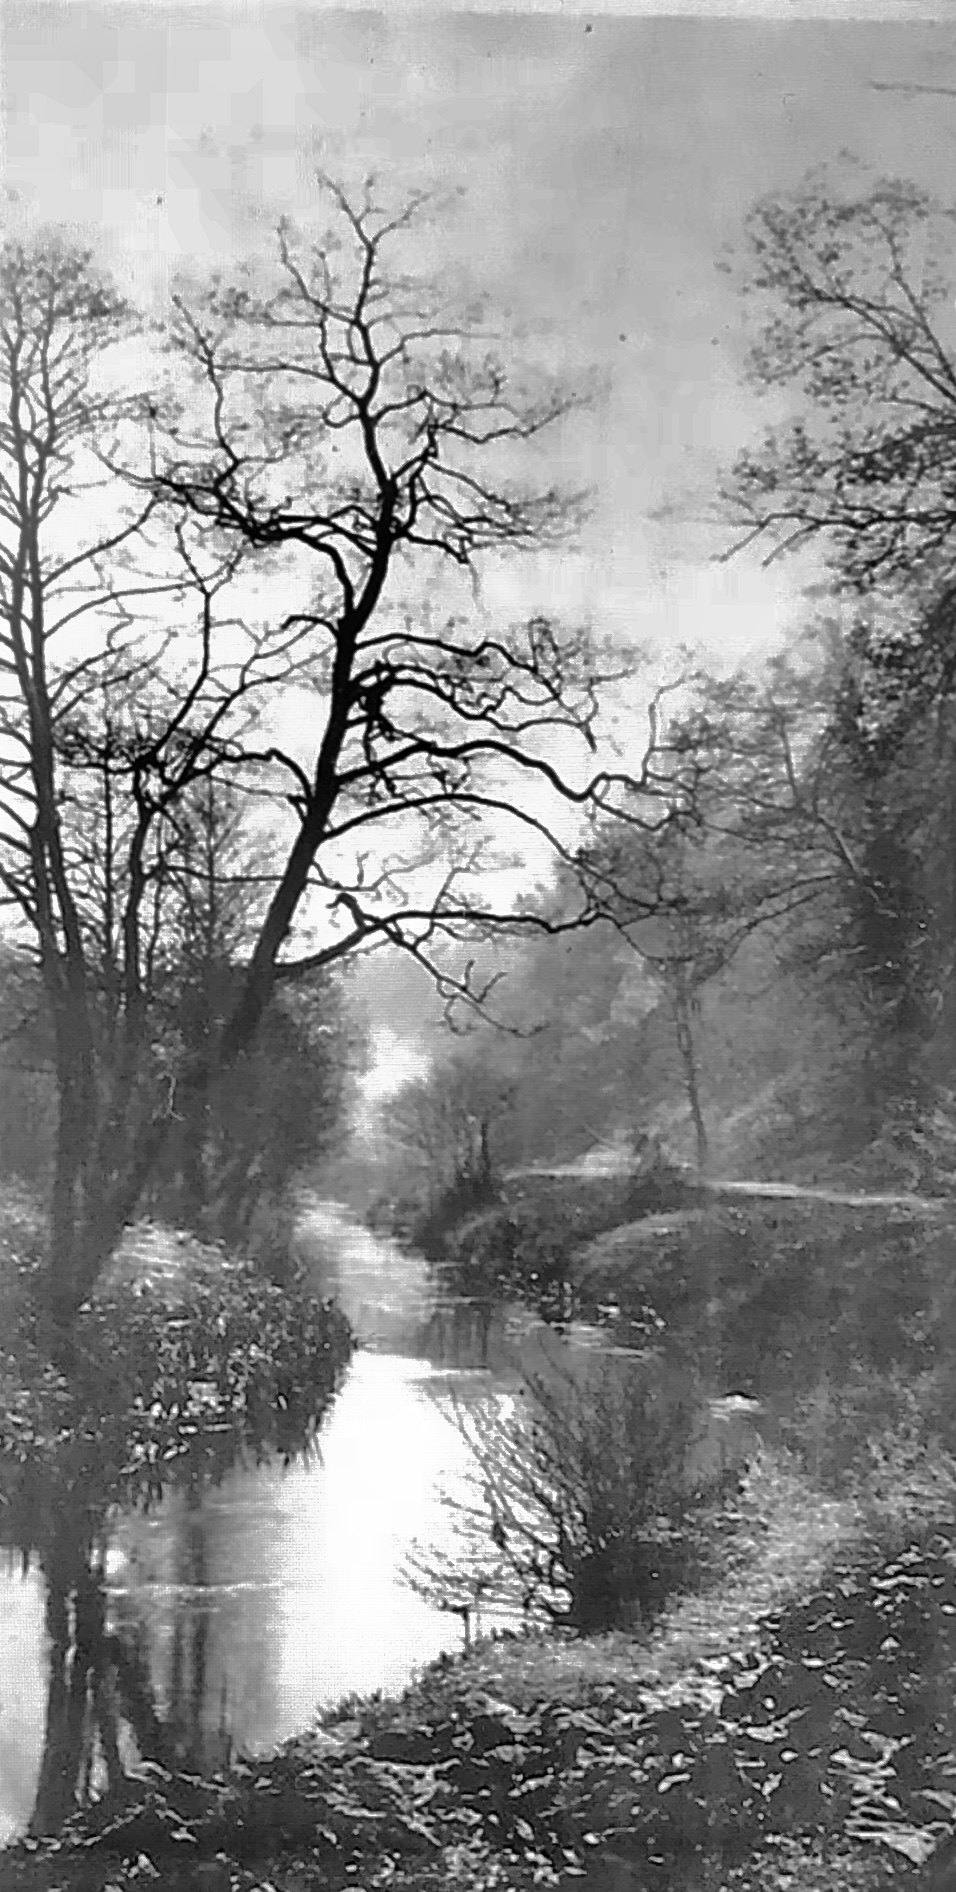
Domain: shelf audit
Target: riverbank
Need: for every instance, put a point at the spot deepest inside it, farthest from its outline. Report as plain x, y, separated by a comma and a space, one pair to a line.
728, 1750
786, 1727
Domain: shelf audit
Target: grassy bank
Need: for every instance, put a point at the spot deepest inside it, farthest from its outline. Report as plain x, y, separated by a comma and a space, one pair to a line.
789, 1725
739, 1747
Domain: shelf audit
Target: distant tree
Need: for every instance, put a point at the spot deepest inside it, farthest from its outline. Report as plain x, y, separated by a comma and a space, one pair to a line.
688, 946
581, 1000
854, 283
449, 1120
853, 279
758, 844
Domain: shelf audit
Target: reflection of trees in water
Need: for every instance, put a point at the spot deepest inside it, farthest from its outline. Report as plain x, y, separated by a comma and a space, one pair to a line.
190, 1647
102, 1711
82, 1720
463, 1329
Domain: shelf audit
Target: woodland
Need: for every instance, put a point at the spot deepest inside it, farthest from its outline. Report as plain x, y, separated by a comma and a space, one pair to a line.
687, 1104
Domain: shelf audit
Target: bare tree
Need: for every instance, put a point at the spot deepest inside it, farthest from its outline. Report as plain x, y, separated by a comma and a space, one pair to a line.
349, 421
446, 1120
853, 282
763, 839
578, 1505
339, 427
110, 718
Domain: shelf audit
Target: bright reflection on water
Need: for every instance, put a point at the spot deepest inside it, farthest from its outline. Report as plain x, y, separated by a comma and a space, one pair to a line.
276, 1593
22, 1696
298, 1571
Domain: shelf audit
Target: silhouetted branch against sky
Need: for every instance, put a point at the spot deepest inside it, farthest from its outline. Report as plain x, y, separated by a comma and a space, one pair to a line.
351, 425
854, 277
365, 446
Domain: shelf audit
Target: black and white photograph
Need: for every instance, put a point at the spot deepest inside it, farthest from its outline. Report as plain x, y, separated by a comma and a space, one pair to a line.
477, 946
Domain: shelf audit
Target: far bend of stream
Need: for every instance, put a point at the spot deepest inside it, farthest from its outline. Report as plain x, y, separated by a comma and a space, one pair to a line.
279, 1591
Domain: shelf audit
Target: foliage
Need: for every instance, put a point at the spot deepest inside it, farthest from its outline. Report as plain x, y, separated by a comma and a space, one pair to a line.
499, 1256
582, 1507
432, 1225
449, 1122
171, 1380
885, 1436
520, 1242
819, 1738
852, 277
772, 1293
232, 1161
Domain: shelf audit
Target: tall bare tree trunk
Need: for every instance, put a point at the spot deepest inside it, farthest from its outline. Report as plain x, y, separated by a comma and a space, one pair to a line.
74, 1157
684, 1009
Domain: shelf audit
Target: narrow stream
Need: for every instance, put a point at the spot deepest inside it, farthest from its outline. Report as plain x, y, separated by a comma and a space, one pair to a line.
281, 1590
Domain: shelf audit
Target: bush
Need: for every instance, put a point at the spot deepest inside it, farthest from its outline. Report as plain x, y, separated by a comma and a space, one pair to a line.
521, 1243
774, 1287
581, 1508
886, 1439
440, 1217
172, 1380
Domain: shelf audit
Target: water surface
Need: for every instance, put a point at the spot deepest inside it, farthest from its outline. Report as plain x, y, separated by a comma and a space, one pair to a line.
236, 1616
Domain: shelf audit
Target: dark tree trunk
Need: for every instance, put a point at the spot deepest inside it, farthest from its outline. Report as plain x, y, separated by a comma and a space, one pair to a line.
683, 1023
76, 1137
485, 1154
76, 1660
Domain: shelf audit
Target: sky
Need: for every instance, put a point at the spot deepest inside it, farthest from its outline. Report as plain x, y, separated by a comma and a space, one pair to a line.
607, 164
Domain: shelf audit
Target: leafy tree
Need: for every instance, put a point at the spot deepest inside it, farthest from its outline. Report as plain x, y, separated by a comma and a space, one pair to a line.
684, 948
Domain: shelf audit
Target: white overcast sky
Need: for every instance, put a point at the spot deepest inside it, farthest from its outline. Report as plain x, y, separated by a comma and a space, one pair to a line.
606, 159
607, 162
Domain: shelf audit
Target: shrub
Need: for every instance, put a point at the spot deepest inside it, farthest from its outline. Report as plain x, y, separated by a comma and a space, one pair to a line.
581, 1509
172, 1379
774, 1287
885, 1439
439, 1218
